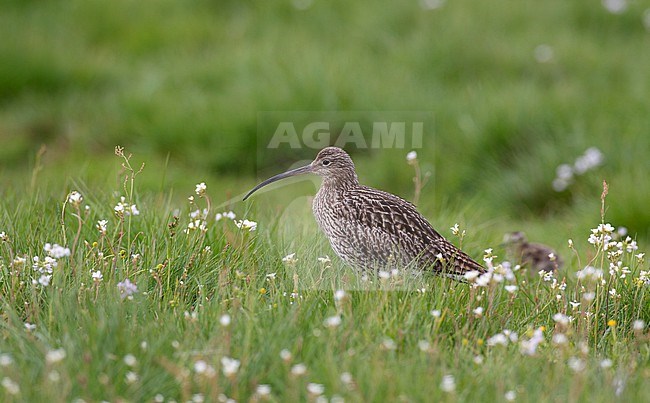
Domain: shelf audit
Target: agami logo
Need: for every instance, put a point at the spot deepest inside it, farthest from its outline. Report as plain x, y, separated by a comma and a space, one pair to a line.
346, 129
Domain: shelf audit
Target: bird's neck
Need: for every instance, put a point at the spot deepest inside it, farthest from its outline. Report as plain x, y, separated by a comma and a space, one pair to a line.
347, 181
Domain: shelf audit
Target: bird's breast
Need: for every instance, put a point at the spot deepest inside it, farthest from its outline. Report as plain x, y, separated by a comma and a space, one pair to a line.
325, 207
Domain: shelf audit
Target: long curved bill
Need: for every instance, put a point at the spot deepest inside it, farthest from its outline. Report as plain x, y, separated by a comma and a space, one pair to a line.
298, 171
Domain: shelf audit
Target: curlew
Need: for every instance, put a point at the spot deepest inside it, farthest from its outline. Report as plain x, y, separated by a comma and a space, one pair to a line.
371, 229
534, 256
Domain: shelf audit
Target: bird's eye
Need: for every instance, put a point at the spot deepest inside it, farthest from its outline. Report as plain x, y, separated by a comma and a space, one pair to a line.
326, 162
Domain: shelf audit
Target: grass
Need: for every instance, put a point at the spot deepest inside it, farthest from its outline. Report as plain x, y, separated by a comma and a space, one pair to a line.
167, 339
186, 86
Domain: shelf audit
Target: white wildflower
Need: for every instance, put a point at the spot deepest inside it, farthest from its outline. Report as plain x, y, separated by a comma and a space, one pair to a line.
315, 389
559, 185
511, 288
127, 288
131, 377
101, 226
285, 355
200, 366
75, 198
510, 395
562, 319
229, 366
263, 390
298, 369
54, 356
529, 347
564, 172
290, 259
606, 363
246, 224
471, 275
411, 157
130, 360
97, 276
56, 251
388, 344
497, 339
424, 345
44, 280
200, 189
225, 214
10, 386
615, 6
559, 338
123, 208
224, 320
592, 158
576, 364
448, 384
483, 280
589, 273
339, 295
5, 360
332, 321
346, 378
543, 53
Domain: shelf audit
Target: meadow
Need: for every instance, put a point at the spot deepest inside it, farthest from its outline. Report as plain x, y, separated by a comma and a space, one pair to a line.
138, 274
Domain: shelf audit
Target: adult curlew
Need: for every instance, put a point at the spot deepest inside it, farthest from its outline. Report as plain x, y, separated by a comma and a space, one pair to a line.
372, 229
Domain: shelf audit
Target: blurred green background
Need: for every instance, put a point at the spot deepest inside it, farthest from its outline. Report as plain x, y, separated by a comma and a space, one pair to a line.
517, 88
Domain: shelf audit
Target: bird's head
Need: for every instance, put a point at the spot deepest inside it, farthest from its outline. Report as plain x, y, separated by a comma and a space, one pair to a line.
514, 238
332, 164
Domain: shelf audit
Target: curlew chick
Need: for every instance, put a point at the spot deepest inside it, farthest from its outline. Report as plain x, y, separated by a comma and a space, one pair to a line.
371, 229
534, 256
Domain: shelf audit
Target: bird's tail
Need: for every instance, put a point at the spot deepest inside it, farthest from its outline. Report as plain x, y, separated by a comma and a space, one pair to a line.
455, 263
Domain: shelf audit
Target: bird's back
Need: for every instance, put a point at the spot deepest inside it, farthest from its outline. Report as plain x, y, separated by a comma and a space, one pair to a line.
371, 228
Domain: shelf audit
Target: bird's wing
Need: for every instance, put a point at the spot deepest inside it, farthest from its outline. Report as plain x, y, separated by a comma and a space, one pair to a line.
392, 218
384, 210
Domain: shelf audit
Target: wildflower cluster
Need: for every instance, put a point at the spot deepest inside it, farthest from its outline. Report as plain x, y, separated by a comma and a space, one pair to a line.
248, 225
102, 226
198, 221
226, 214
565, 173
199, 217
75, 198
44, 267
127, 288
500, 273
123, 208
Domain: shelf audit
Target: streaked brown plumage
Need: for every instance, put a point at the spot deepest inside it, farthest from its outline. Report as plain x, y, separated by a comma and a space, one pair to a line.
372, 229
533, 256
